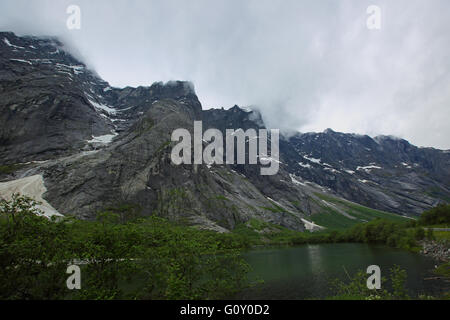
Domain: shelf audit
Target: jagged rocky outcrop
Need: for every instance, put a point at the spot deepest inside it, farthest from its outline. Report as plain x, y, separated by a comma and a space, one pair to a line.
136, 169
47, 99
438, 250
97, 147
385, 173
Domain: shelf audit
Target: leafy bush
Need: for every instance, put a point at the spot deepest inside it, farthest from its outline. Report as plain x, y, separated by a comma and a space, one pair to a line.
436, 216
419, 233
9, 168
140, 259
356, 288
32, 252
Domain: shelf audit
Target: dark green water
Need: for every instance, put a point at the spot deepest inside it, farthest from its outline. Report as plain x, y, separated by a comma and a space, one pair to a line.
306, 271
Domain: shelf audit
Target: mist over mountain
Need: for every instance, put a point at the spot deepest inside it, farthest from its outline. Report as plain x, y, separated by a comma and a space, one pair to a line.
97, 146
307, 66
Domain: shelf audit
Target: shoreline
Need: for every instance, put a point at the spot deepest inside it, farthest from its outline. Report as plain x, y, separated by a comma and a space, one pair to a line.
438, 250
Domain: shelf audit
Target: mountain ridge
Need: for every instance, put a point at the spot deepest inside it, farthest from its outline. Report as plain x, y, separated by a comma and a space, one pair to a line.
97, 146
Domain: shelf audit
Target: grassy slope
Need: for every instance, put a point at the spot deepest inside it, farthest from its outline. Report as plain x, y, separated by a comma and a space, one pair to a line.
442, 235
260, 232
331, 219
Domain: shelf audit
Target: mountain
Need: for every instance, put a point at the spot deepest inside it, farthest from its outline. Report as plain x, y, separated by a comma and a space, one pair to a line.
384, 172
98, 147
50, 101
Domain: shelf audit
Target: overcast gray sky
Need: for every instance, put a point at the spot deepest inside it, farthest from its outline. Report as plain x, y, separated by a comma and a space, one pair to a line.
308, 65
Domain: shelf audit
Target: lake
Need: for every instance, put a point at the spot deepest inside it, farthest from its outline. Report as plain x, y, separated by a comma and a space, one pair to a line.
305, 272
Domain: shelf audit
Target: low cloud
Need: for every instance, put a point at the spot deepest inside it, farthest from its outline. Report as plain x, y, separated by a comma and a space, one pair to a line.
307, 65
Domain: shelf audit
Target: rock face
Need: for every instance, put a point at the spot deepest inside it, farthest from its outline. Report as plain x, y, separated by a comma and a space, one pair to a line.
136, 169
385, 173
97, 147
437, 250
48, 100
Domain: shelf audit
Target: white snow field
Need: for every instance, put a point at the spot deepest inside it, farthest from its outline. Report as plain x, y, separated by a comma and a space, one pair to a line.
311, 226
105, 139
32, 187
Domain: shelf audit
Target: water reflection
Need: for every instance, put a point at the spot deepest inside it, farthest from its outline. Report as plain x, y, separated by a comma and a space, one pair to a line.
306, 271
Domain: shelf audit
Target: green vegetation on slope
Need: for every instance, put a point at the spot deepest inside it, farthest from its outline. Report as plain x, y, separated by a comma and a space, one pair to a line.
400, 235
127, 257
334, 220
9, 168
356, 288
437, 217
258, 232
394, 232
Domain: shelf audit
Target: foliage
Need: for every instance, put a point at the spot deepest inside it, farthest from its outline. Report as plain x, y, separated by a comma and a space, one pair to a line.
429, 234
332, 219
124, 256
443, 270
120, 258
356, 288
439, 215
32, 252
378, 231
9, 168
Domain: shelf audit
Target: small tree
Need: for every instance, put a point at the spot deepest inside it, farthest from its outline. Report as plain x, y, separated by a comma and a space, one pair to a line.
32, 252
398, 281
419, 233
430, 234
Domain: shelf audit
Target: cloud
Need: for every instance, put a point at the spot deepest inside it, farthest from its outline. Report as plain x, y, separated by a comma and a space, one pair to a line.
307, 65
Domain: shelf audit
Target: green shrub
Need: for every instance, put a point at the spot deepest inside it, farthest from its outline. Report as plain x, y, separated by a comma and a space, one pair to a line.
436, 216
419, 233
147, 258
356, 287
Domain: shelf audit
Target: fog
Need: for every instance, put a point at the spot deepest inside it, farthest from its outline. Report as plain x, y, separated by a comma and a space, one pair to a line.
307, 65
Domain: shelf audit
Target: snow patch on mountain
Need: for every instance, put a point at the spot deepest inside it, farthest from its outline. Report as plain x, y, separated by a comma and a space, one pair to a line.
368, 168
105, 139
406, 165
295, 181
76, 69
317, 161
267, 160
21, 60
311, 226
9, 44
103, 107
332, 170
32, 187
307, 165
314, 160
